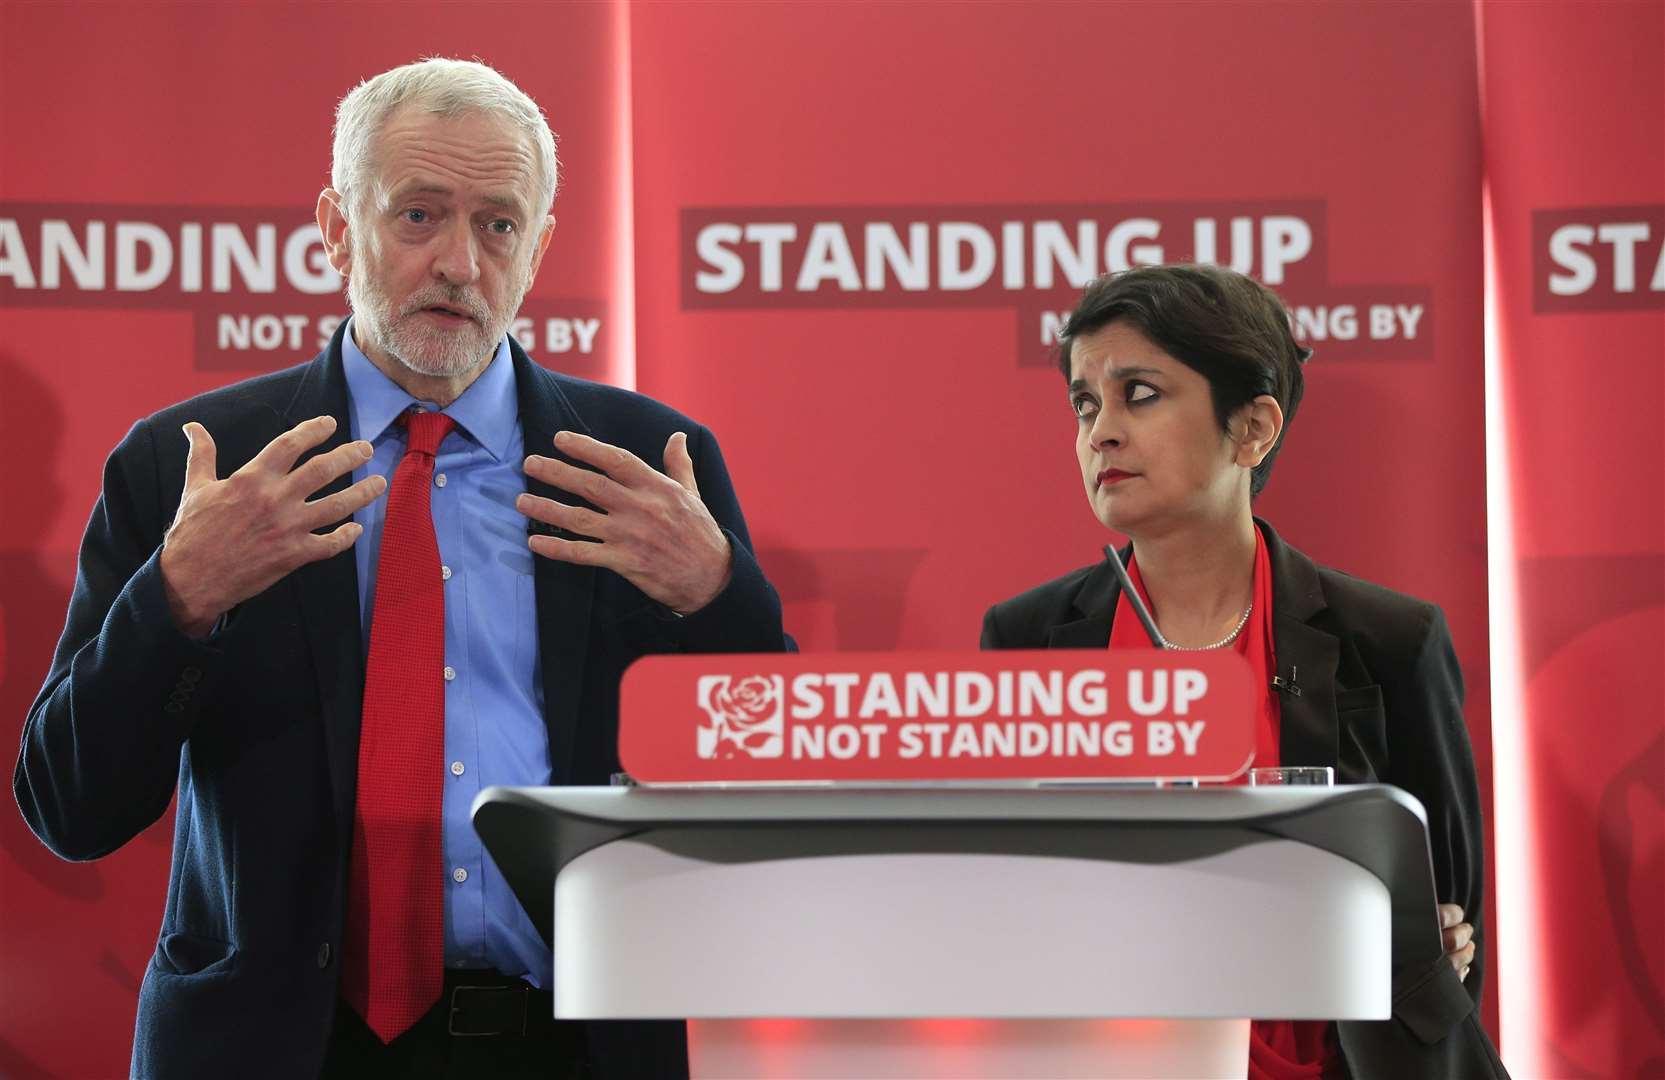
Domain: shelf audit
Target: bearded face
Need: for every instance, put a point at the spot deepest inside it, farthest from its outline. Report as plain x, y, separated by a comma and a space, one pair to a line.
444, 242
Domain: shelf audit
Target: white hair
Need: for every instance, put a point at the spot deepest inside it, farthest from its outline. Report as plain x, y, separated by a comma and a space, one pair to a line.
443, 87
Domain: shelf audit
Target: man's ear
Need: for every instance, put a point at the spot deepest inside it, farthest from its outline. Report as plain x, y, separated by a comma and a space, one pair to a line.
1262, 424
332, 224
543, 246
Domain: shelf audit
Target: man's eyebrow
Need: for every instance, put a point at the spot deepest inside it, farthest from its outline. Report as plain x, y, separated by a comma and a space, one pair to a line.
420, 189
507, 202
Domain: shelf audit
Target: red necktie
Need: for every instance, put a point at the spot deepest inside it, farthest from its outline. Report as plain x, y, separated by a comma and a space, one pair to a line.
395, 938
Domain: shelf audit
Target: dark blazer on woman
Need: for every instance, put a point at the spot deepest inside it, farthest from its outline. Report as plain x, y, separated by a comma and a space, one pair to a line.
1382, 701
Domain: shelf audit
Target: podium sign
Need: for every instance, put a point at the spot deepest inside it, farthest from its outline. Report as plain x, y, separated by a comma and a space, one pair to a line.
1013, 715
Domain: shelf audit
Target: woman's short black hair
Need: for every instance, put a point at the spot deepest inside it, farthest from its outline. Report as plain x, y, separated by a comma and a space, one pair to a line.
1226, 326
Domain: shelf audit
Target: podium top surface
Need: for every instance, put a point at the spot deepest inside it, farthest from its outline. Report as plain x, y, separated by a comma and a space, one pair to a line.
532, 833
670, 807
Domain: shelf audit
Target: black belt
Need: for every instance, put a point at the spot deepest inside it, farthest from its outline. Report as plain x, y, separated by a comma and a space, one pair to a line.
485, 1003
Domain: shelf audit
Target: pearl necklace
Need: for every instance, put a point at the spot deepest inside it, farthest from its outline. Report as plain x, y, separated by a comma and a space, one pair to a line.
1222, 643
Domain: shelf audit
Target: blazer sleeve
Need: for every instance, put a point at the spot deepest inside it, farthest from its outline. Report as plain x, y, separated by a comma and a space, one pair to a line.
1429, 756
991, 637
1436, 1030
101, 744
746, 615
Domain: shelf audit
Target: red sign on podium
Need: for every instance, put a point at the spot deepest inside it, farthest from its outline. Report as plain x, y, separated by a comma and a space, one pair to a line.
1017, 715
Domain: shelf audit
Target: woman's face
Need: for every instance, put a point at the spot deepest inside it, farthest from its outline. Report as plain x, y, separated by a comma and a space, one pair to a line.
1151, 451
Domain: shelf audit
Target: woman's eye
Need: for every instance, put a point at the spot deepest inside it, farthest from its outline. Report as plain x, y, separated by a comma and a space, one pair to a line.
1138, 392
1083, 406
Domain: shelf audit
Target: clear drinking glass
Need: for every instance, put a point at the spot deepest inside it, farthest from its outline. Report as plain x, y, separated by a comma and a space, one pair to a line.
1289, 775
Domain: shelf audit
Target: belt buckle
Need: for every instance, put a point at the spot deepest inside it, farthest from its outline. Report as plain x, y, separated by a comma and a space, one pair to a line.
451, 1020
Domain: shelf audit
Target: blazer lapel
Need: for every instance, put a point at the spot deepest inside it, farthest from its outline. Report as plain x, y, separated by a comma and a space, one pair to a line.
565, 592
1095, 600
1306, 656
327, 593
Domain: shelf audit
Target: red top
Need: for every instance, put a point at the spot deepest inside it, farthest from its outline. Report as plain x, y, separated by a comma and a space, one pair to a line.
1278, 1049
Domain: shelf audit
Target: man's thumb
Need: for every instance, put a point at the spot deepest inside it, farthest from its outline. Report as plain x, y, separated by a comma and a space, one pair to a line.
200, 458
679, 465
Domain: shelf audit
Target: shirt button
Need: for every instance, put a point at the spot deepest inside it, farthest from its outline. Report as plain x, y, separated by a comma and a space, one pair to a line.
439, 479
445, 573
459, 875
456, 768
324, 955
450, 673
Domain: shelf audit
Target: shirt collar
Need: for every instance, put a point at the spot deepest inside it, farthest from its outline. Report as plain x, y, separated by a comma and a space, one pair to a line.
486, 412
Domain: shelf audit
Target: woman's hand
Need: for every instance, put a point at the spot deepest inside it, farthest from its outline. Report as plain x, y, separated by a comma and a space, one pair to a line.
1459, 938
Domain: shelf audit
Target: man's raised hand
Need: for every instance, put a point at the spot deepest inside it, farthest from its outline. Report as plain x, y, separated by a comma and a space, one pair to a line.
235, 538
653, 528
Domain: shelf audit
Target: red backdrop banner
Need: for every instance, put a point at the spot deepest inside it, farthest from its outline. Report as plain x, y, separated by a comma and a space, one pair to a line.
844, 238
1575, 157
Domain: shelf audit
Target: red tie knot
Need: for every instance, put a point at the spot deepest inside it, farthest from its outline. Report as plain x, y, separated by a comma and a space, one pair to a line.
427, 430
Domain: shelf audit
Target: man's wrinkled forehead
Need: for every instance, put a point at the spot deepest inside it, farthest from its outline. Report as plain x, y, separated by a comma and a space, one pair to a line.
418, 151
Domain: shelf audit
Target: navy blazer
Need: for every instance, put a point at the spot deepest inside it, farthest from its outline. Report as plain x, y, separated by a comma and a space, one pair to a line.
1382, 702
257, 727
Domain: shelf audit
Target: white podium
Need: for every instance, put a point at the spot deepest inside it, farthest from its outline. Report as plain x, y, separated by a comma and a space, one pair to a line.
970, 932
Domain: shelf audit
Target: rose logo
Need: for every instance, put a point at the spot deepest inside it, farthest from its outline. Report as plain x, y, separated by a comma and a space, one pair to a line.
745, 716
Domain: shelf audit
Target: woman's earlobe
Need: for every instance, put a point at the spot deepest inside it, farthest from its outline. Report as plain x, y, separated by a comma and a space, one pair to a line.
1251, 448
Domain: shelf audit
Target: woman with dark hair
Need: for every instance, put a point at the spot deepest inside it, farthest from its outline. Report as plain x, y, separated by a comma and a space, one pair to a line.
1183, 381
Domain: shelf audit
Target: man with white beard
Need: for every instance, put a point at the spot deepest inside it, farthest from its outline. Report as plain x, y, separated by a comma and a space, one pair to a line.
330, 605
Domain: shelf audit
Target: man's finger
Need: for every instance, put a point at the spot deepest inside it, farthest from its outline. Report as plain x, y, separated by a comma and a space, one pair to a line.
679, 464
1450, 915
579, 552
573, 518
333, 542
601, 490
200, 457
342, 504
616, 462
281, 453
324, 468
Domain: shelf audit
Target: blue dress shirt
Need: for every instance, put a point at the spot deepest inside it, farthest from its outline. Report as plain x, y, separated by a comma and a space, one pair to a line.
494, 726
